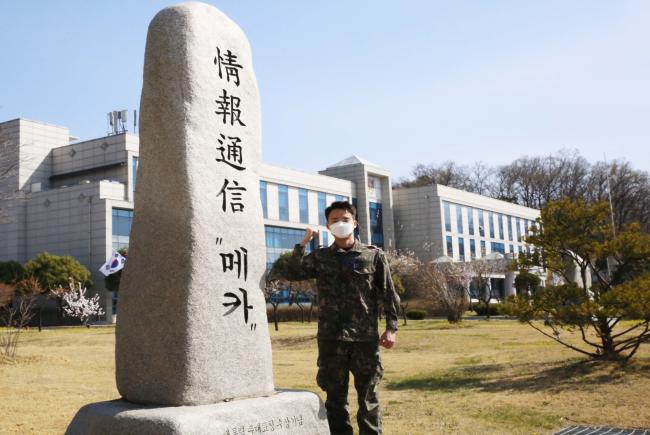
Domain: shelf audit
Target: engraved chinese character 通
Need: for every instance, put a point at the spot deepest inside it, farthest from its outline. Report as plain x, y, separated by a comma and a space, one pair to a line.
231, 151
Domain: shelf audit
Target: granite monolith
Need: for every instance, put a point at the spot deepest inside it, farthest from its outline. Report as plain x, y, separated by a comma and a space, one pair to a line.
193, 352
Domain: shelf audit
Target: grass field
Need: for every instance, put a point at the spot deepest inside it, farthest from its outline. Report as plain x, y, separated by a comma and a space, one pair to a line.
481, 377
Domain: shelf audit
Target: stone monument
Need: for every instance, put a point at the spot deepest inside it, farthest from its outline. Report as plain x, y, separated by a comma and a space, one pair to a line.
193, 352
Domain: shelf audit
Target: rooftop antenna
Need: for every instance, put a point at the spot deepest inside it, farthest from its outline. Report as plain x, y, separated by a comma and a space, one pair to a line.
117, 122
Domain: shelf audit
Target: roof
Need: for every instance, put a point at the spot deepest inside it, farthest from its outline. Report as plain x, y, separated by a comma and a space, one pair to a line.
353, 160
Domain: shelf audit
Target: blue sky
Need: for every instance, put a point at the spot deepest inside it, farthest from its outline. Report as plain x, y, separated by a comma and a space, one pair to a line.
397, 83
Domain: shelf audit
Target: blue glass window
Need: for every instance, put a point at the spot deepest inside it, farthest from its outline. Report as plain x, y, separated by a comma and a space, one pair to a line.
303, 204
322, 205
461, 249
134, 168
265, 210
498, 247
325, 237
376, 224
518, 229
512, 248
450, 247
491, 223
470, 220
280, 240
483, 249
122, 220
459, 219
500, 219
510, 228
283, 202
472, 248
340, 198
481, 224
445, 205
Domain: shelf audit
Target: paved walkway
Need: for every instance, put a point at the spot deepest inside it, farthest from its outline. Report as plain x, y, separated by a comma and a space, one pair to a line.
582, 430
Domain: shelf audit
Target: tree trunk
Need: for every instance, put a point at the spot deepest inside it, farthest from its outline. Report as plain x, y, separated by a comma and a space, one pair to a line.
275, 314
404, 307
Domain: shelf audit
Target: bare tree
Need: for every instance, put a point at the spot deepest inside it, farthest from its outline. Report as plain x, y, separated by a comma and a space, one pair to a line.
482, 271
448, 284
271, 287
16, 314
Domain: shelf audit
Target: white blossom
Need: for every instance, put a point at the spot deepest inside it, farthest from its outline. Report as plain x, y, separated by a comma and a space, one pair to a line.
76, 304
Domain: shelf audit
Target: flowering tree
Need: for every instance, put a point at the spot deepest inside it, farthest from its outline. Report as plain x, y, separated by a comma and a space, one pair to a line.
76, 304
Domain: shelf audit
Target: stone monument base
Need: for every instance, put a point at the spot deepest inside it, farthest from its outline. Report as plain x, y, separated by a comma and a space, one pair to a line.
286, 412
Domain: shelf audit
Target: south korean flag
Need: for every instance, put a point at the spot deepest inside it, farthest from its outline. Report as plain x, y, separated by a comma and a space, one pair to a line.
114, 264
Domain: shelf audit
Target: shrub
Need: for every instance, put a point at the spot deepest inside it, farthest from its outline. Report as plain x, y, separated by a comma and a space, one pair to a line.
416, 314
482, 310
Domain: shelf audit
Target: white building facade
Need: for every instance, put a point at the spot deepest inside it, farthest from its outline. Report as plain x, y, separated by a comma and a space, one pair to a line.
77, 198
435, 221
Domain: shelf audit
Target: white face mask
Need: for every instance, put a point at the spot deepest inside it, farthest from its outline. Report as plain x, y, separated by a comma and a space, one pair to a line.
342, 229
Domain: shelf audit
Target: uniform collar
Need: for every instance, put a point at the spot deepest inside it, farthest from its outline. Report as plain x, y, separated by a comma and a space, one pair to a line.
355, 248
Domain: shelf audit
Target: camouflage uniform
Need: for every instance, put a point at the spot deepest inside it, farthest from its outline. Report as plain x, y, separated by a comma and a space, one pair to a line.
351, 285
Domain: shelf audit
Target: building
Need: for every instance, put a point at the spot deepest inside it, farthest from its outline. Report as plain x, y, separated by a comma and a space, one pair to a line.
435, 221
76, 198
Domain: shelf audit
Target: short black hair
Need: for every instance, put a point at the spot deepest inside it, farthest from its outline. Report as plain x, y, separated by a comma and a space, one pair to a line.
341, 205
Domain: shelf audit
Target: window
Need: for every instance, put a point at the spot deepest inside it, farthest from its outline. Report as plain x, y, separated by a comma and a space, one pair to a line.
283, 201
450, 247
500, 218
518, 228
491, 224
122, 220
280, 240
322, 205
461, 249
481, 224
340, 198
470, 220
445, 205
483, 251
303, 205
265, 210
376, 224
510, 228
134, 168
325, 238
498, 247
472, 248
459, 219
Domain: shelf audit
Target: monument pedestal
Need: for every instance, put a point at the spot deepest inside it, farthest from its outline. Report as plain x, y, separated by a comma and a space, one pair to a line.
285, 412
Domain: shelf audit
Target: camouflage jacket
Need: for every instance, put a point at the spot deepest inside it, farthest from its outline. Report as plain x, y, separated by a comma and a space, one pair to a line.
351, 285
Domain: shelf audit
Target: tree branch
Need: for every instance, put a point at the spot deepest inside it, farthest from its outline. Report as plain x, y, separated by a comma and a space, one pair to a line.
584, 352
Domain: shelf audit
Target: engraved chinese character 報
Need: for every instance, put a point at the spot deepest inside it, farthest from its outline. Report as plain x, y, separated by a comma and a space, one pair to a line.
228, 108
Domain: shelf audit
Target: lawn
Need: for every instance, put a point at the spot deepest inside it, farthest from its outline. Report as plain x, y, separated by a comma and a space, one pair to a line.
480, 377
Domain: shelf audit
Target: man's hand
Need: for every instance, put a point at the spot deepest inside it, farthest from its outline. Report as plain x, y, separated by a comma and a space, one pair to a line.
388, 339
309, 234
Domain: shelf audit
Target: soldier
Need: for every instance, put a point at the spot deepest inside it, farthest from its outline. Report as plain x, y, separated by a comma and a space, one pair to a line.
352, 280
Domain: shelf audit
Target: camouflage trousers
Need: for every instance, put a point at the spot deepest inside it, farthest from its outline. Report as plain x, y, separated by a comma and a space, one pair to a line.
336, 359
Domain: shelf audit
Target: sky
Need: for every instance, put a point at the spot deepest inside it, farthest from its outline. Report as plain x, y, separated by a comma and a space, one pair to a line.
396, 83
